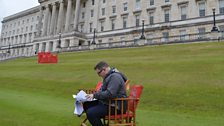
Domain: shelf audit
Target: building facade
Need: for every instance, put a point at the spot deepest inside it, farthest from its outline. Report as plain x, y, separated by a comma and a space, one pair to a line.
69, 25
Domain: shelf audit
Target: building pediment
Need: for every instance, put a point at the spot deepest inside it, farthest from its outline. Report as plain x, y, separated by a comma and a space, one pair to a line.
166, 6
152, 9
200, 0
183, 3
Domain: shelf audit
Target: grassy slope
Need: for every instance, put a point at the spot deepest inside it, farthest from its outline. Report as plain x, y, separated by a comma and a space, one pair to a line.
183, 85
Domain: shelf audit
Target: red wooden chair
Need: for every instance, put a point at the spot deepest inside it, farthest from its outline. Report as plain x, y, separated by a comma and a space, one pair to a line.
98, 86
90, 91
129, 117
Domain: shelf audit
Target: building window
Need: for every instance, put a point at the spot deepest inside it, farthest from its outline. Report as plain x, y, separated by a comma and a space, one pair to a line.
84, 4
92, 13
221, 28
122, 39
165, 37
100, 41
221, 6
81, 28
112, 24
182, 34
110, 39
151, 2
167, 15
93, 1
90, 27
167, 1
183, 11
201, 33
137, 20
124, 22
103, 11
151, 18
113, 9
150, 38
31, 28
83, 15
202, 9
138, 5
125, 6
102, 25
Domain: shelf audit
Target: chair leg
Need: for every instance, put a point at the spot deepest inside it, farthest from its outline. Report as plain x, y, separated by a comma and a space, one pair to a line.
84, 122
104, 122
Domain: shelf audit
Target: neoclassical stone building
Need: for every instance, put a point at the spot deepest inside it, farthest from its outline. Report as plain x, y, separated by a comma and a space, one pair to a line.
77, 24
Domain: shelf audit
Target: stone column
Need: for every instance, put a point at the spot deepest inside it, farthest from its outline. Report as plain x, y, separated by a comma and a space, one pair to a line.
24, 51
60, 16
14, 40
34, 49
77, 8
9, 40
23, 38
47, 46
19, 39
45, 21
63, 43
68, 15
27, 38
32, 37
55, 46
53, 19
40, 47
40, 21
20, 52
72, 42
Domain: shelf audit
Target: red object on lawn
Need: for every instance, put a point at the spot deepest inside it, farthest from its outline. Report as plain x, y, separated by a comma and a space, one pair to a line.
47, 57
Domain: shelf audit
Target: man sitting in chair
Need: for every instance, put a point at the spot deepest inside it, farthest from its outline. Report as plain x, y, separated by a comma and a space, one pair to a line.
113, 87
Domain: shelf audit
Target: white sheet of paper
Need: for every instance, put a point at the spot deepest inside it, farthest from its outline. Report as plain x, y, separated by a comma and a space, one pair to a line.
80, 97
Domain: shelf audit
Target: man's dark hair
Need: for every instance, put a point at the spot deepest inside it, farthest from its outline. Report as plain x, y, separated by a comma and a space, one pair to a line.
101, 65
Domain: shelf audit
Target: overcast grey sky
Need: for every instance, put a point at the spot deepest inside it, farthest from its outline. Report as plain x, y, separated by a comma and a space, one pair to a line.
10, 7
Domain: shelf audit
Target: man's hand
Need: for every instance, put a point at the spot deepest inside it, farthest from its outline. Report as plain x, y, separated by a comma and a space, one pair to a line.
89, 96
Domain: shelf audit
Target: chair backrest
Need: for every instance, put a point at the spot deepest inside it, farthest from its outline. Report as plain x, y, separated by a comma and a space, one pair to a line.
98, 86
127, 85
136, 91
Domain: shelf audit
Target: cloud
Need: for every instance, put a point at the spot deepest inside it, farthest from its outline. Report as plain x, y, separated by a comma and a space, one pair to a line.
10, 7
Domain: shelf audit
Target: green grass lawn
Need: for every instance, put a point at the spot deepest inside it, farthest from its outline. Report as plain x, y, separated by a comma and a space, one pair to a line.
183, 85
